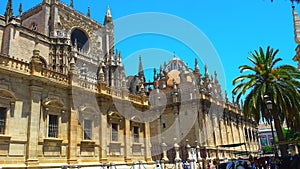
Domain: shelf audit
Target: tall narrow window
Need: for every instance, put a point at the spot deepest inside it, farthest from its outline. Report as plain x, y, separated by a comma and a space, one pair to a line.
114, 132
136, 134
246, 133
53, 126
87, 129
2, 120
250, 134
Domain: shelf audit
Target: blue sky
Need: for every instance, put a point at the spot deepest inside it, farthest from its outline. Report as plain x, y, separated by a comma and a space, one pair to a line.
232, 27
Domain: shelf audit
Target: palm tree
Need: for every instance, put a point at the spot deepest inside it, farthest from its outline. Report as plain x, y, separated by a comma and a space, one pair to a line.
279, 83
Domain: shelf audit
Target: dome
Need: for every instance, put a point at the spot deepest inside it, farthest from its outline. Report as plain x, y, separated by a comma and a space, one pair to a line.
174, 74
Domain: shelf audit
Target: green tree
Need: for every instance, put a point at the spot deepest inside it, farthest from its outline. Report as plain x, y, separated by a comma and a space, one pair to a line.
267, 150
263, 78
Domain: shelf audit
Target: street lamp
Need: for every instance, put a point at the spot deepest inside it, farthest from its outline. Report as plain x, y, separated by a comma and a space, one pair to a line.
269, 105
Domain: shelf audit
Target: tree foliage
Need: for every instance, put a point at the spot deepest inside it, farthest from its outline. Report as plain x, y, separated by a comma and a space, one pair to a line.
280, 83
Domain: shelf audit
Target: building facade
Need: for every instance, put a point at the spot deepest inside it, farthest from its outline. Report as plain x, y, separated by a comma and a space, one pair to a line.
59, 79
190, 108
65, 99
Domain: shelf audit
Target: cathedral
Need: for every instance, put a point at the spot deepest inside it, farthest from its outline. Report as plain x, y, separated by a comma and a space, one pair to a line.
65, 98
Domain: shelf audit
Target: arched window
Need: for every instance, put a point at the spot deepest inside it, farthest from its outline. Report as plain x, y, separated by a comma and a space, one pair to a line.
80, 39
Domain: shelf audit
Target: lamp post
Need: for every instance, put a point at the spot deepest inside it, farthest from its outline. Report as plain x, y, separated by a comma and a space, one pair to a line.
269, 105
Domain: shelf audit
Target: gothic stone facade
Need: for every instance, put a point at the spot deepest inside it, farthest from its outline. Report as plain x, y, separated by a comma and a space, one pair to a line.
191, 110
59, 79
64, 98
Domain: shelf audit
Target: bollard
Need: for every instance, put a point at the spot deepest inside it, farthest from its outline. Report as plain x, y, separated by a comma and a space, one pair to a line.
104, 166
112, 165
164, 151
162, 164
134, 165
74, 166
199, 157
140, 164
63, 167
177, 157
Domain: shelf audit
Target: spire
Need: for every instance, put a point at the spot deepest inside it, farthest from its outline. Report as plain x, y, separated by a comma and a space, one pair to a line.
72, 4
89, 12
296, 25
108, 17
108, 13
9, 11
141, 70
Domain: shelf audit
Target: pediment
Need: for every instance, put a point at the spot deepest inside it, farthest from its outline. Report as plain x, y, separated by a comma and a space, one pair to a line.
53, 103
87, 108
7, 95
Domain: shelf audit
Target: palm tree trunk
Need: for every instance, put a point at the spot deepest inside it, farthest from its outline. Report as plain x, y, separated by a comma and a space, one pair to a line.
283, 148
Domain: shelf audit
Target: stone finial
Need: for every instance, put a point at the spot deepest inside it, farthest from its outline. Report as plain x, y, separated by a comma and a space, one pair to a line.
161, 72
75, 44
141, 70
20, 10
154, 73
196, 69
72, 64
206, 71
174, 84
142, 89
226, 96
233, 99
89, 12
9, 11
72, 4
216, 77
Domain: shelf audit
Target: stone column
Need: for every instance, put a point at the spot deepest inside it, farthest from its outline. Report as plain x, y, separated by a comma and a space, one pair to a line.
33, 123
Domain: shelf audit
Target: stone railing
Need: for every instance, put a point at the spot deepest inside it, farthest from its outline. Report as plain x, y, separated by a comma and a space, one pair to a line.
136, 98
54, 76
20, 66
15, 64
87, 85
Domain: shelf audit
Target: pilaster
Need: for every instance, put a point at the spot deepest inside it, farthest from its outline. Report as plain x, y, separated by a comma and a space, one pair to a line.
147, 143
72, 159
127, 141
33, 123
103, 138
